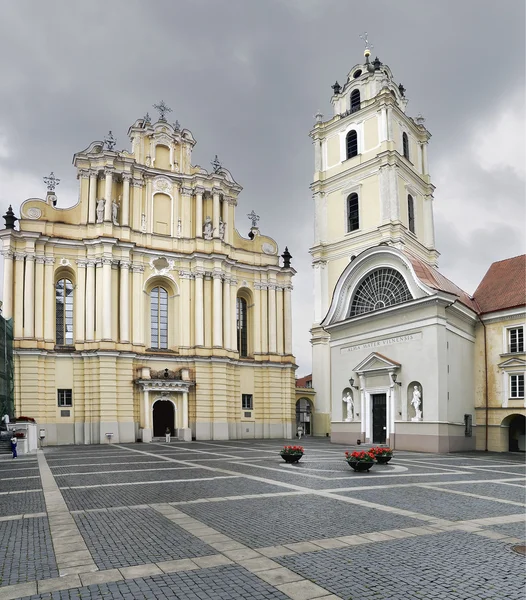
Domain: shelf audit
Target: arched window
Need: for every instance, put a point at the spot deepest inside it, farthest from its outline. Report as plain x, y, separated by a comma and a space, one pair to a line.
353, 213
355, 101
405, 145
64, 312
159, 318
242, 327
352, 144
381, 288
411, 213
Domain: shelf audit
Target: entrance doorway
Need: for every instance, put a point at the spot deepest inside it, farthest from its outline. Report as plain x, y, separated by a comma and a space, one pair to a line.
163, 417
304, 415
379, 418
517, 433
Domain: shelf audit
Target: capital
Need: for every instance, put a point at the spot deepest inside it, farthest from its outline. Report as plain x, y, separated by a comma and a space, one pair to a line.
7, 254
199, 190
124, 264
49, 260
137, 268
106, 260
30, 258
108, 171
84, 173
82, 263
20, 255
186, 191
40, 259
127, 177
138, 183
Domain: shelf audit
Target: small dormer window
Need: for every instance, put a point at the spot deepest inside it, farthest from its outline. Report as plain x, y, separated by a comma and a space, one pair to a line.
352, 144
405, 145
357, 73
355, 101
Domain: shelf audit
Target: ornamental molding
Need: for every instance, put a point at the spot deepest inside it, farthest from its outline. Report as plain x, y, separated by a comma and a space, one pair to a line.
199, 190
40, 259
106, 260
91, 263
259, 285
186, 275
217, 275
33, 213
93, 173
186, 191
268, 248
7, 254
81, 262
20, 255
160, 265
84, 173
125, 264
127, 177
162, 184
109, 170
49, 260
30, 258
217, 191
64, 262
137, 268
156, 385
138, 183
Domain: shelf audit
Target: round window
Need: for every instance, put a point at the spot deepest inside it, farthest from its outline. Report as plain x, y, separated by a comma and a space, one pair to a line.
357, 73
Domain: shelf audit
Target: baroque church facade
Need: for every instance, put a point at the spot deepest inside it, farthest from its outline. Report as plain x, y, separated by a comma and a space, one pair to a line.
142, 308
392, 338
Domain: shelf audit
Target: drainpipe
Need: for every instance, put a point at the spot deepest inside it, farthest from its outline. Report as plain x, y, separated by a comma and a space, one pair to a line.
485, 385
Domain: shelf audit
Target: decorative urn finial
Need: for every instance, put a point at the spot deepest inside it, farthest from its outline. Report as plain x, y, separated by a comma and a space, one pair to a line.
10, 218
286, 256
337, 88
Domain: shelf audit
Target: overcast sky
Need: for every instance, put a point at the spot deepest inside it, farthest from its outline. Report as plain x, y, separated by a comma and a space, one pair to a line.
247, 76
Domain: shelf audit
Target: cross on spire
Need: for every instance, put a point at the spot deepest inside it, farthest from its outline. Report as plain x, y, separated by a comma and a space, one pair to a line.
110, 141
368, 46
51, 181
163, 109
216, 165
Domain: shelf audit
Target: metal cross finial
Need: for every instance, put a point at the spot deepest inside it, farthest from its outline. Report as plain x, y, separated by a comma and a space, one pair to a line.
363, 37
216, 165
254, 218
110, 141
163, 109
51, 181
147, 118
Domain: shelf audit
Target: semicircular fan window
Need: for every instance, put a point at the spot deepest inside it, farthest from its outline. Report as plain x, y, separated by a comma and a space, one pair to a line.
381, 288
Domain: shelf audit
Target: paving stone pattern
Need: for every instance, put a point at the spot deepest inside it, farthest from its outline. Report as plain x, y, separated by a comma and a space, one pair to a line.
136, 536
448, 566
21, 503
494, 490
26, 551
517, 530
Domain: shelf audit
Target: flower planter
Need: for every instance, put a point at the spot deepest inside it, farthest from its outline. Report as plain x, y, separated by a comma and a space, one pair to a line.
359, 466
291, 458
383, 460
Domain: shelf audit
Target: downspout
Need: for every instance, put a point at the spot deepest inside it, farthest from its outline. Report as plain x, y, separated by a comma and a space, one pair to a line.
485, 386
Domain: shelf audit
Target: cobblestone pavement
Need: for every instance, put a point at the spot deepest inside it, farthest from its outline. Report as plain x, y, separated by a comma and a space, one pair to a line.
231, 520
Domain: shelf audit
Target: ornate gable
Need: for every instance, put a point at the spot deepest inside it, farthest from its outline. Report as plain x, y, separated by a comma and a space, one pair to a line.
376, 362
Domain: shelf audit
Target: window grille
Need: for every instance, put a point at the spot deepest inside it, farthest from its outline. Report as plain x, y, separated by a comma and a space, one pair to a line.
64, 312
381, 288
352, 144
353, 213
159, 318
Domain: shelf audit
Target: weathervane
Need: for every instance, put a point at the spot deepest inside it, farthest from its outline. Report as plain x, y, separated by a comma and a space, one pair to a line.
162, 108
216, 165
51, 181
110, 141
368, 46
254, 218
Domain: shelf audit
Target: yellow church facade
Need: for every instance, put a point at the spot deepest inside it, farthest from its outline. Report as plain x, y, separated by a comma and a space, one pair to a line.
142, 308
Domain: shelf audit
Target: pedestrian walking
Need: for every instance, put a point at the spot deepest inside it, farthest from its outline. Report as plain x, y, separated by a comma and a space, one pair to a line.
167, 434
300, 431
13, 446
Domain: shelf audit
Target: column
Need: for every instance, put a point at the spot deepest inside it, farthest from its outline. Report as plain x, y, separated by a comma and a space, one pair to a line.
227, 327
272, 342
84, 176
8, 284
90, 300
98, 299
18, 325
136, 220
92, 196
108, 172
106, 298
287, 315
149, 206
124, 309
199, 212
215, 211
146, 409
429, 227
256, 318
425, 166
217, 310
125, 207
279, 320
39, 300
138, 310
225, 219
233, 313
185, 410
185, 277
199, 331
79, 301
186, 215
49, 299
264, 318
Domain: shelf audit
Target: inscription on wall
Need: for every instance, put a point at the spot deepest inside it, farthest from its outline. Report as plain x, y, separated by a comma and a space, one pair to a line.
411, 337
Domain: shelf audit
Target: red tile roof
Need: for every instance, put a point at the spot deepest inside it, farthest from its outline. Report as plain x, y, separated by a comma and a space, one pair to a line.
302, 381
434, 279
503, 286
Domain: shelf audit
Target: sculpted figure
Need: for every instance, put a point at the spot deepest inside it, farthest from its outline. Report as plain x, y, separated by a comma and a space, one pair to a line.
114, 212
222, 227
350, 406
416, 402
208, 229
101, 203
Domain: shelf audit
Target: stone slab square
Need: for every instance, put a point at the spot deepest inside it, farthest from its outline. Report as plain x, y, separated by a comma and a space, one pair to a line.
272, 551
279, 576
258, 564
172, 566
221, 546
241, 554
78, 569
140, 571
107, 576
302, 547
58, 583
205, 562
354, 540
13, 592
376, 537
329, 543
302, 590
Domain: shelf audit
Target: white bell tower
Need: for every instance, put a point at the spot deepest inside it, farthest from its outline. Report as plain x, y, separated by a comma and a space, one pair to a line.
371, 187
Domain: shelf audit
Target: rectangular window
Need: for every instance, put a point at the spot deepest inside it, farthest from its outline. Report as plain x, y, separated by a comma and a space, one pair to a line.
65, 397
516, 339
517, 386
247, 402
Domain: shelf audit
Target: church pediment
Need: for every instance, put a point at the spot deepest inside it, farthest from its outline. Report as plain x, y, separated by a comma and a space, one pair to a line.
376, 362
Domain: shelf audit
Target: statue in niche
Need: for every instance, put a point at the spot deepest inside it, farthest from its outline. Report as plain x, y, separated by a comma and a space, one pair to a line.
416, 401
115, 211
143, 223
101, 203
350, 406
222, 227
208, 229
179, 228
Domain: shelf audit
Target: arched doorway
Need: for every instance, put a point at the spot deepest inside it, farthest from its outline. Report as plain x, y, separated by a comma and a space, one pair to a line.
304, 415
163, 417
516, 432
